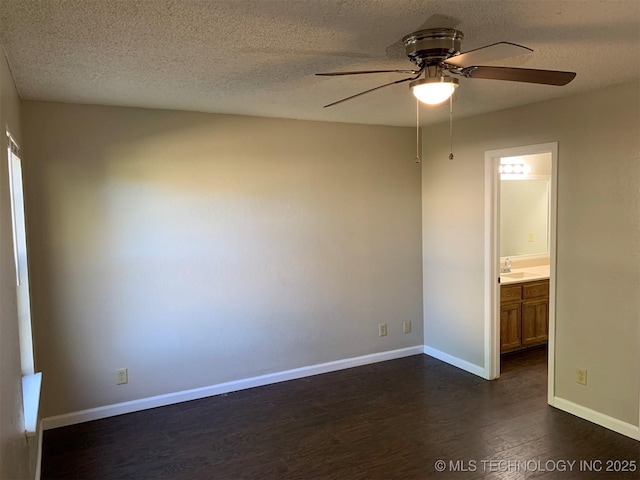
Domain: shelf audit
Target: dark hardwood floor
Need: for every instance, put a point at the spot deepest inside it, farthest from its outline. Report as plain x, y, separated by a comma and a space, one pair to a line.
390, 420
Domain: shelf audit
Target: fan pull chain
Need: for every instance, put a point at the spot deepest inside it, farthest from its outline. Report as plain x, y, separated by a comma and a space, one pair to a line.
451, 127
418, 159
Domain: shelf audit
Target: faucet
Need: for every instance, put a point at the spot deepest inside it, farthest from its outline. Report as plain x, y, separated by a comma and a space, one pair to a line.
506, 266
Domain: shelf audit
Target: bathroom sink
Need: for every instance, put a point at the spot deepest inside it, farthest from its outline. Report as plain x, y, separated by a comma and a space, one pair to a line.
516, 275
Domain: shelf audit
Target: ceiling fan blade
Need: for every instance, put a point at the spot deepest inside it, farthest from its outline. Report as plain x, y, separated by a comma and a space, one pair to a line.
371, 90
363, 72
489, 53
527, 75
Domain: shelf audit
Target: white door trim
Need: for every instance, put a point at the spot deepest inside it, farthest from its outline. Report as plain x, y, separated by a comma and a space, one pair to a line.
492, 256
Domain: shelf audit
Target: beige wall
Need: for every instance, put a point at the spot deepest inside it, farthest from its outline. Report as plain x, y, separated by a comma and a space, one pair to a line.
598, 234
196, 249
15, 460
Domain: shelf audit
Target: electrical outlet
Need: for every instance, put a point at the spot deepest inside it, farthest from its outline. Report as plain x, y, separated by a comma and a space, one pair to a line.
122, 376
406, 326
532, 237
382, 330
581, 376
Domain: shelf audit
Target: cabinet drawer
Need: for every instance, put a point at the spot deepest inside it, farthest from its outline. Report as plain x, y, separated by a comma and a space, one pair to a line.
510, 293
535, 289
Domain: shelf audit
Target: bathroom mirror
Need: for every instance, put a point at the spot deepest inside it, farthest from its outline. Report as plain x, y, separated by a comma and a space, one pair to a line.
524, 216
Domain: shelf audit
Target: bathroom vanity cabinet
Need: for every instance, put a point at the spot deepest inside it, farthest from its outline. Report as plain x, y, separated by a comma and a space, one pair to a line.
524, 315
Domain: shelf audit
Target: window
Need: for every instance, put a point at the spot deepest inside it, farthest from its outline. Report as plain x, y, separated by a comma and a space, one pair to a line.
31, 381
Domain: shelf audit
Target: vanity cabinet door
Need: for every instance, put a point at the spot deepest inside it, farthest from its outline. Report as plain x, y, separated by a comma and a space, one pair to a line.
535, 321
510, 327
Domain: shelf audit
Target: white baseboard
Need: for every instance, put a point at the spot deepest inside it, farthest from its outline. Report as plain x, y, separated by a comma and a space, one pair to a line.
456, 362
598, 418
196, 393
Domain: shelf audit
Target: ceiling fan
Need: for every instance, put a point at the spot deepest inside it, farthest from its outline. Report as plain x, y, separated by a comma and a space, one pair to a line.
436, 55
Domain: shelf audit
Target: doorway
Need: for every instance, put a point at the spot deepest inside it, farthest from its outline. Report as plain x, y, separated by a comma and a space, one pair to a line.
526, 248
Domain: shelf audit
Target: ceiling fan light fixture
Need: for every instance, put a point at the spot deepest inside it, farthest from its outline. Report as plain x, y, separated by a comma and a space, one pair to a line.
434, 90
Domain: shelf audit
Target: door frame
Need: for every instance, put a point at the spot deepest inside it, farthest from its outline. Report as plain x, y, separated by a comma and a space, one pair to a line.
492, 256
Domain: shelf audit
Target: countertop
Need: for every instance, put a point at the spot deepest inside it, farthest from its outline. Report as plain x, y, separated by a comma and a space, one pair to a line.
527, 274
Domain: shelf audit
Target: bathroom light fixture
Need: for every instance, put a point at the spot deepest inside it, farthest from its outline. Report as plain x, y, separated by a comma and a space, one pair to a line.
513, 167
434, 90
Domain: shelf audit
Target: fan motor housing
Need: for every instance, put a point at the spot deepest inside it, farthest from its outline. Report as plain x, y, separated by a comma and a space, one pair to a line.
432, 46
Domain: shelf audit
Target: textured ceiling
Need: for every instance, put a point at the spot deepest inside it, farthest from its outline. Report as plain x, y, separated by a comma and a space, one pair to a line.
259, 57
